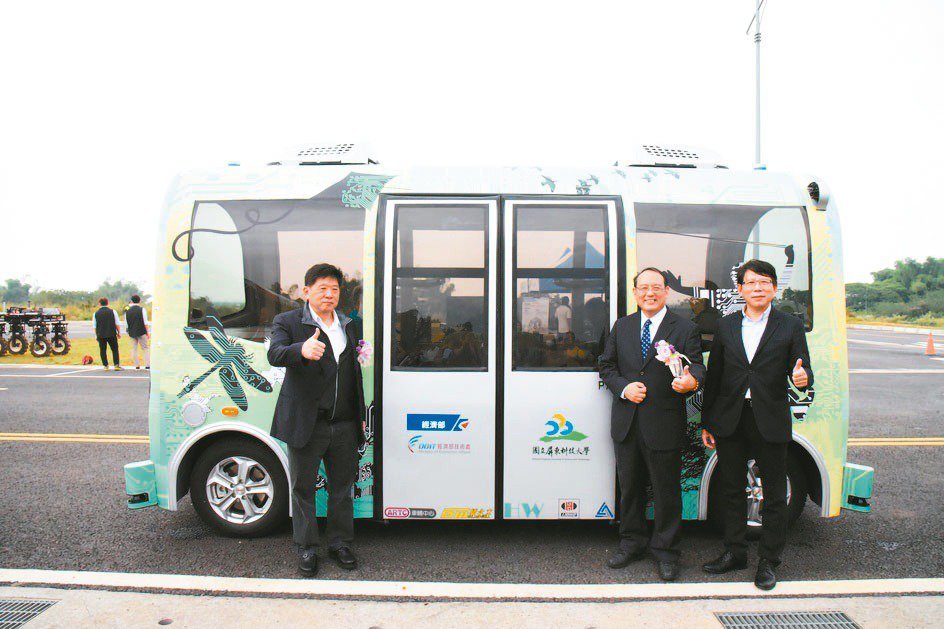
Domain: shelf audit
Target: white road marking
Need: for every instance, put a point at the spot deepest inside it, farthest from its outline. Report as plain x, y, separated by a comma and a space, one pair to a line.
903, 371
493, 591
3, 388
64, 373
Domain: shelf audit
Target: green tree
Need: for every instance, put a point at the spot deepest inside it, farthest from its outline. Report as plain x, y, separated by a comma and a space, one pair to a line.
15, 292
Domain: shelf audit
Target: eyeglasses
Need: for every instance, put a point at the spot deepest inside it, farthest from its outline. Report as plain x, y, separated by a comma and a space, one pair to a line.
758, 283
655, 289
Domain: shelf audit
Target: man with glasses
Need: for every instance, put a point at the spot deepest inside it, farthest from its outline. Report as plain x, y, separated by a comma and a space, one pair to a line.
746, 414
648, 421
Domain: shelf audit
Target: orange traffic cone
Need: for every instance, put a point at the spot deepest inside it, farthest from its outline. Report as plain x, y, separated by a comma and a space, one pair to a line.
930, 349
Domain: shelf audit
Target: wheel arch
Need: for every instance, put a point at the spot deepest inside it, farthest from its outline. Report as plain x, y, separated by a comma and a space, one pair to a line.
814, 465
181, 465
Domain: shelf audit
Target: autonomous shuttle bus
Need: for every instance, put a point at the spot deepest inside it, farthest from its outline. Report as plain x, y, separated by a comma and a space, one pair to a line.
487, 294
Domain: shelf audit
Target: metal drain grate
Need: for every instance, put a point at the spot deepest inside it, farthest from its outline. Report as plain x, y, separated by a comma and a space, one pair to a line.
16, 612
783, 620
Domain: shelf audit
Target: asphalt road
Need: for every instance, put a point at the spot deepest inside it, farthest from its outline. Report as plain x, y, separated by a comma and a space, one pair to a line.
62, 505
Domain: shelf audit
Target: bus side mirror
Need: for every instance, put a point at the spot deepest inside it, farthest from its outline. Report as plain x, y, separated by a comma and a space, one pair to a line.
819, 194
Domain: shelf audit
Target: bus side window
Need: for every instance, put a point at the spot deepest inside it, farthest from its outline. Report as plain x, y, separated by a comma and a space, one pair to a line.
561, 309
217, 279
440, 288
781, 237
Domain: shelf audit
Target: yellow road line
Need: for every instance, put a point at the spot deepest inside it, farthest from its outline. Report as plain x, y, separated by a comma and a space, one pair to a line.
897, 441
72, 438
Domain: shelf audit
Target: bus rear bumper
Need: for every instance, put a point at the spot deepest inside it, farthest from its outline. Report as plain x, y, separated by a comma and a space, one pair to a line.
857, 487
141, 484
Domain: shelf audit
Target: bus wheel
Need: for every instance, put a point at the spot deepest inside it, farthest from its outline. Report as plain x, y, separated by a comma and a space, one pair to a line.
239, 488
17, 344
60, 345
40, 347
797, 491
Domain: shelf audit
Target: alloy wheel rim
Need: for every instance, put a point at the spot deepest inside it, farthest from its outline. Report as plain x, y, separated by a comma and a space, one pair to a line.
755, 496
239, 490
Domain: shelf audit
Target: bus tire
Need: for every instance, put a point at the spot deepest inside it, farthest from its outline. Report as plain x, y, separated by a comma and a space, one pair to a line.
238, 487
797, 492
40, 347
17, 344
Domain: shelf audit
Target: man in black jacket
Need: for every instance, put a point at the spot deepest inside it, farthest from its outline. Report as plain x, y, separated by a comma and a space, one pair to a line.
746, 414
648, 421
320, 413
107, 331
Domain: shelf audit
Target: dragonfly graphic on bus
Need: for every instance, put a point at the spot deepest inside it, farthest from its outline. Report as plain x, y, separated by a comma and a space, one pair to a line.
229, 359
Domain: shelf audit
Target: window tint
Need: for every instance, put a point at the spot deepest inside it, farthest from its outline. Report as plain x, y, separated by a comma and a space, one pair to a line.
440, 287
700, 246
255, 269
561, 276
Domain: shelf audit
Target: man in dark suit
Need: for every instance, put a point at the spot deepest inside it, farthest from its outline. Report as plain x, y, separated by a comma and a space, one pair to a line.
648, 421
320, 413
746, 414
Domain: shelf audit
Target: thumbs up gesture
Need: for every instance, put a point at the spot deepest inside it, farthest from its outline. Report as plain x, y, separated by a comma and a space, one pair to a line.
685, 382
313, 349
799, 376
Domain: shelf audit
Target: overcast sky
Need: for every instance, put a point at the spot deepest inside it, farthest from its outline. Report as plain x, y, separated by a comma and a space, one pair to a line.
102, 103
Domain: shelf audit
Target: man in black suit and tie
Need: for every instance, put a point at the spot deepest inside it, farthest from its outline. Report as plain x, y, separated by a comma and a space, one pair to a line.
746, 414
648, 421
320, 413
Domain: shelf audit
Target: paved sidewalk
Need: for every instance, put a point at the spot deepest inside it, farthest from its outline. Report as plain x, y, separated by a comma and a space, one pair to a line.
99, 608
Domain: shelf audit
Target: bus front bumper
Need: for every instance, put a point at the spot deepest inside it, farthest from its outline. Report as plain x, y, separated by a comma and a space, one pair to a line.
141, 484
857, 487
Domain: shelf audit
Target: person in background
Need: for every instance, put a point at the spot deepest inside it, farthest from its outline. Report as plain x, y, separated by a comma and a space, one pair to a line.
564, 314
107, 331
139, 330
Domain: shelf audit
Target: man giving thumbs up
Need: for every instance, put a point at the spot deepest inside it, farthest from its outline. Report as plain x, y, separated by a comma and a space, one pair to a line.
746, 415
319, 414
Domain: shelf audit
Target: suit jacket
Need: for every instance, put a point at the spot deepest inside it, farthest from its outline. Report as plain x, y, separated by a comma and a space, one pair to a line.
307, 381
661, 415
730, 374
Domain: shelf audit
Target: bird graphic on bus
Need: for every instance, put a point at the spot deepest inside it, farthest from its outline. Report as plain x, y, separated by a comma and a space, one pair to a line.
559, 427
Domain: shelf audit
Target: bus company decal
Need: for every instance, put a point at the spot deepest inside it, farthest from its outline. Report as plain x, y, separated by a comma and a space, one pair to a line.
416, 444
229, 359
440, 422
568, 508
465, 513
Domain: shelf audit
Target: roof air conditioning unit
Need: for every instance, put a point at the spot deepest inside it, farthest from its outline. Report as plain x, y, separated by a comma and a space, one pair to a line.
329, 154
673, 156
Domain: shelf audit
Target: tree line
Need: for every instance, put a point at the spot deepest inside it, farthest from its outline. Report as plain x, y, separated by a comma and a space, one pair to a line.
909, 291
75, 304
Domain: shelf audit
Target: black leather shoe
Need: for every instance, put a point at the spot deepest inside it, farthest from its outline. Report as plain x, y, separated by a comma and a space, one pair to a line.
624, 557
765, 578
725, 563
308, 562
668, 570
345, 557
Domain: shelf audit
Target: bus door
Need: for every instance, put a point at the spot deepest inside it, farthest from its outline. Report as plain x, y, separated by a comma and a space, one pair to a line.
439, 357
560, 298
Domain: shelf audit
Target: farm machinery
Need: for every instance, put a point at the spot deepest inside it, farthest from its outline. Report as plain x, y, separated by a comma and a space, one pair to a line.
41, 323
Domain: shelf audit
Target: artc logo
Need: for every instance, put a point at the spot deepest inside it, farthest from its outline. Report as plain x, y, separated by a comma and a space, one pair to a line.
396, 512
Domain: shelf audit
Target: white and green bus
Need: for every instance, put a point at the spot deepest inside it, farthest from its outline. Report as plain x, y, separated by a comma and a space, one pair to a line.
486, 294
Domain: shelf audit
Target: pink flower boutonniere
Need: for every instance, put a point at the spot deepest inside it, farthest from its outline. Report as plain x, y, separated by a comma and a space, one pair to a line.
364, 351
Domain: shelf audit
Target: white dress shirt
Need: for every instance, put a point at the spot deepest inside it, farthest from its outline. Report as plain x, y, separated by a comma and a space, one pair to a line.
751, 332
334, 331
654, 326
